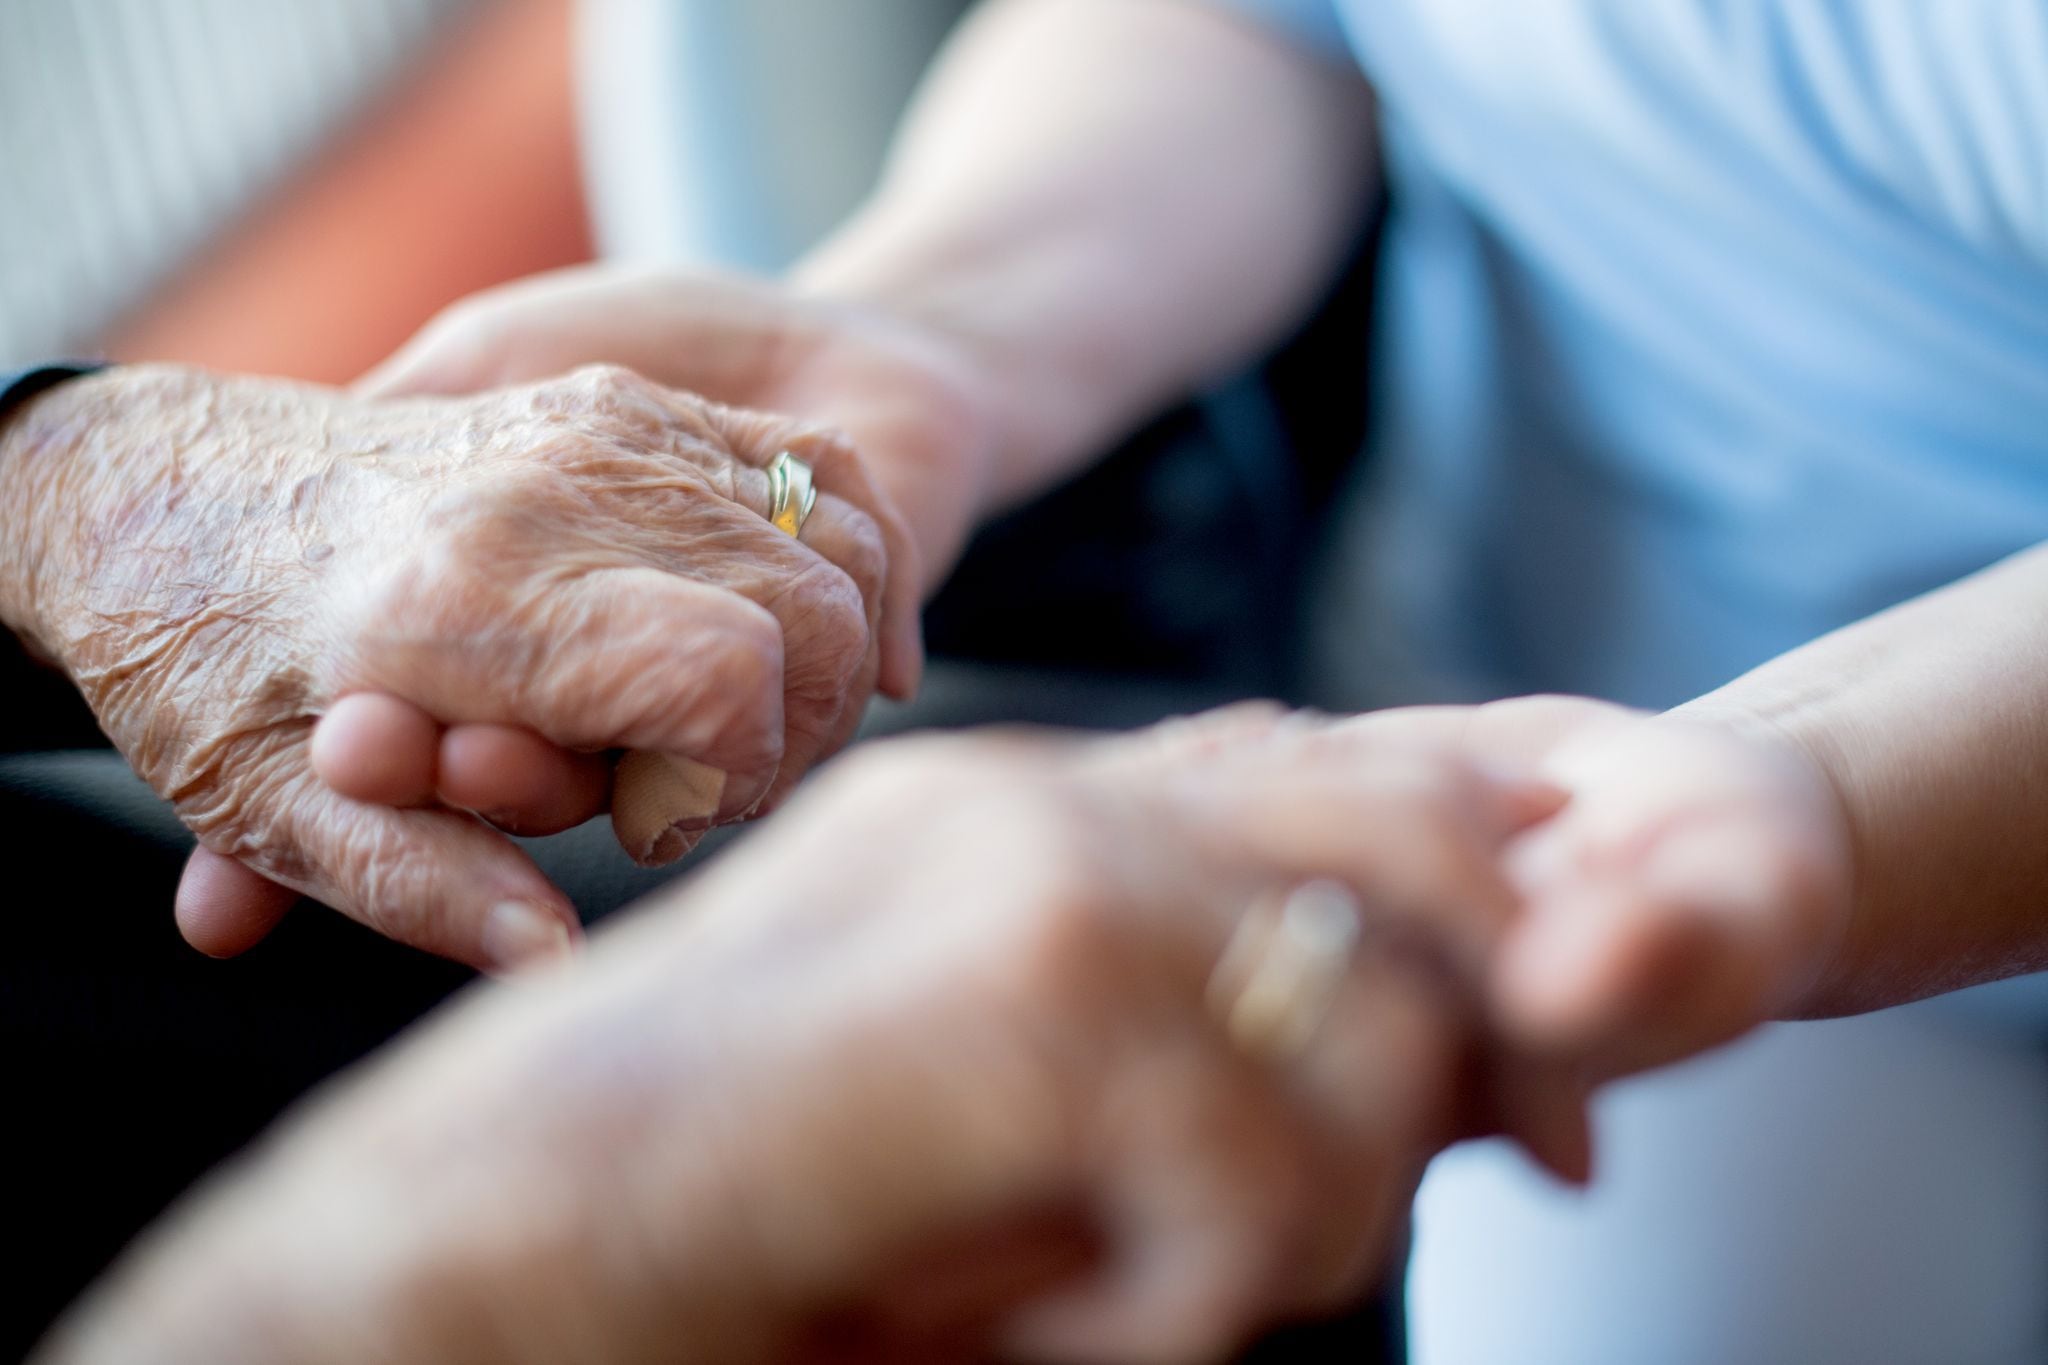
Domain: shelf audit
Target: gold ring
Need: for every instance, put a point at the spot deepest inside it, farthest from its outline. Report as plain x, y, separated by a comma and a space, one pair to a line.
1282, 969
791, 494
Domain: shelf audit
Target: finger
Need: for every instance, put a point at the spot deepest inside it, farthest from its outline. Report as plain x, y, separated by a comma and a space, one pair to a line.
1600, 968
825, 588
623, 658
664, 800
372, 746
526, 330
825, 592
376, 747
224, 908
435, 879
1544, 1106
825, 598
663, 805
519, 781
1520, 734
1641, 949
1201, 1221
881, 555
841, 535
840, 472
1418, 836
449, 355
942, 1301
1375, 1088
1387, 1048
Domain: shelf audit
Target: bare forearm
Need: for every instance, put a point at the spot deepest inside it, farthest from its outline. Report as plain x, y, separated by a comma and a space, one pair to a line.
1107, 201
1931, 720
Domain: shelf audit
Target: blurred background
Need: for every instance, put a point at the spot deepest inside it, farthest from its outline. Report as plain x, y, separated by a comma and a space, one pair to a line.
293, 188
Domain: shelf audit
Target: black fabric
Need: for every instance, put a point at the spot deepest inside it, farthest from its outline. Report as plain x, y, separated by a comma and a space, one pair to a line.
22, 385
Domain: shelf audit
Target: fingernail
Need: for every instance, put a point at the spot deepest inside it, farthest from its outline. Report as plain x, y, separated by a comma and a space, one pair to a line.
518, 935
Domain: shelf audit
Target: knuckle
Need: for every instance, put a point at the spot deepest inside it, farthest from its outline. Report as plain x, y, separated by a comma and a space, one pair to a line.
1067, 945
446, 592
1202, 737
1427, 785
605, 380
1247, 722
746, 656
865, 556
829, 631
1059, 951
827, 449
735, 704
600, 397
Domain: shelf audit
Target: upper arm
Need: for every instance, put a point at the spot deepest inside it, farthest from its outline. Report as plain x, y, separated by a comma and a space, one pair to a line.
1312, 23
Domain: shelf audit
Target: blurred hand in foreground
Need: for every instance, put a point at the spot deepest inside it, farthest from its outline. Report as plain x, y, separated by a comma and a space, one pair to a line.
931, 1066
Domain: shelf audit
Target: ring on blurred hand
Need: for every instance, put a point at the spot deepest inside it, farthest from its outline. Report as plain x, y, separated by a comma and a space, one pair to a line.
1282, 968
791, 494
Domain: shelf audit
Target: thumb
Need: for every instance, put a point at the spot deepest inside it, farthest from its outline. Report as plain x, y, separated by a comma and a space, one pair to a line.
443, 358
224, 907
432, 878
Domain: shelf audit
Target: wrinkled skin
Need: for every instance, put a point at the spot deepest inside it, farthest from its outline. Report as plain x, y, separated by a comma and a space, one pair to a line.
919, 412
582, 565
915, 399
924, 1067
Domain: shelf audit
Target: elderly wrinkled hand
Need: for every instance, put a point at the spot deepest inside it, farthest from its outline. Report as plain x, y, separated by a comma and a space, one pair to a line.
935, 1062
514, 583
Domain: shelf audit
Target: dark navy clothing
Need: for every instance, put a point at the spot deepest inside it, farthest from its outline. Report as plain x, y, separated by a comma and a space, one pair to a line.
22, 385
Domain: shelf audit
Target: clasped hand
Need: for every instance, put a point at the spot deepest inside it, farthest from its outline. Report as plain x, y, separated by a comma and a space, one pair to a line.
355, 643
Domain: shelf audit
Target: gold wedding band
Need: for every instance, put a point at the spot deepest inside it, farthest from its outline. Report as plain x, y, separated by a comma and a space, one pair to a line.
791, 494
1282, 969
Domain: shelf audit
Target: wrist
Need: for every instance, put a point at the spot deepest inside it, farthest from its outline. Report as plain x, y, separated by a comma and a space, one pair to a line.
72, 458
41, 435
1784, 726
1036, 402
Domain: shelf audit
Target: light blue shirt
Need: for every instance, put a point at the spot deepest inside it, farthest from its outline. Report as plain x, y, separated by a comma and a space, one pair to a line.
1705, 326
